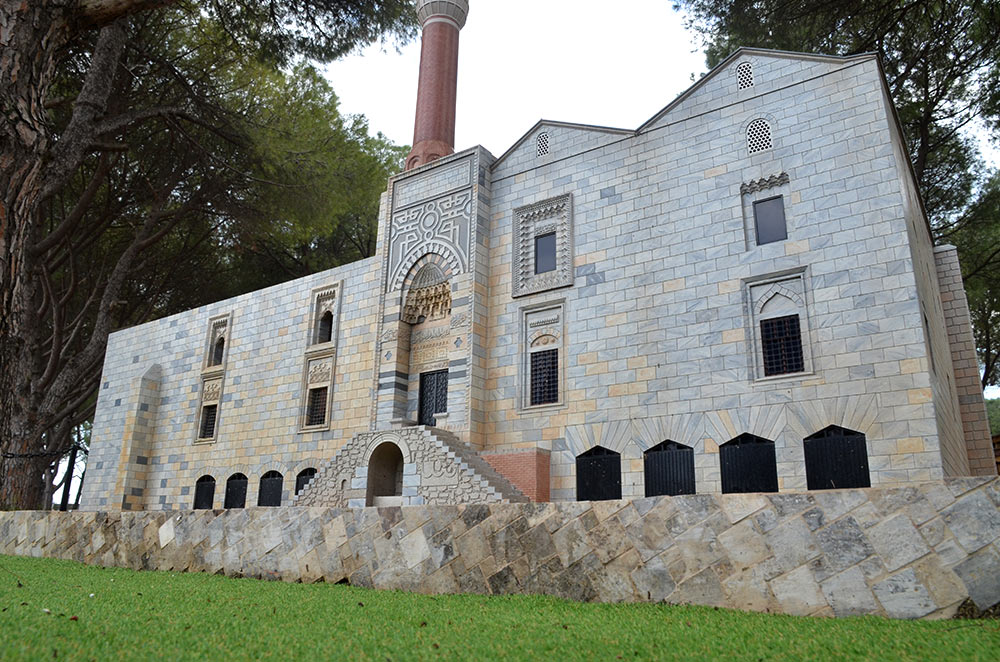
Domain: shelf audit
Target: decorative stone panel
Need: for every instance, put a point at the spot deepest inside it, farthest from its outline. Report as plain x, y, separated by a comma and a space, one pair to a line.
440, 226
530, 221
915, 552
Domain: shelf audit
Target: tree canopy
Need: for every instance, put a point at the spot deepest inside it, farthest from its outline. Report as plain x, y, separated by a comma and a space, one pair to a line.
942, 66
159, 155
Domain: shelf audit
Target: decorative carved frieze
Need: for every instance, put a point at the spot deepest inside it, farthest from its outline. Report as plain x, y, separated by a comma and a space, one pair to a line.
427, 303
764, 183
212, 391
320, 372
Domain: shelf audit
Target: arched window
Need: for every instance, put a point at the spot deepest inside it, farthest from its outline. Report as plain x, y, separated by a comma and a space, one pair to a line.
236, 492
759, 136
325, 331
204, 493
744, 75
303, 479
385, 474
270, 489
598, 475
836, 458
669, 469
748, 465
219, 352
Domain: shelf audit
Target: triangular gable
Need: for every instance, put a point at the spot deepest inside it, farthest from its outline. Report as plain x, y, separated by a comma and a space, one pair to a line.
606, 130
739, 54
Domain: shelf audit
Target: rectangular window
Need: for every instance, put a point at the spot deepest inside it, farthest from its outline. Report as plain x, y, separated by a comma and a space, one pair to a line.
769, 219
545, 377
781, 341
316, 412
545, 253
208, 414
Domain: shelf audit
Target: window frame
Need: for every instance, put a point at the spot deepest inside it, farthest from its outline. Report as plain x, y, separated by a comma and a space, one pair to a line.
554, 255
793, 285
544, 323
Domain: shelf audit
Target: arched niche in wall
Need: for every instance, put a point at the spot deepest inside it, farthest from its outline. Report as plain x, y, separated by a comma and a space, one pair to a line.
385, 476
426, 314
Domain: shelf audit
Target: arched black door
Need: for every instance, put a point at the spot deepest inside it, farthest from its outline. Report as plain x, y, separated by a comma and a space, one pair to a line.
204, 493
836, 458
270, 489
748, 465
598, 475
669, 469
236, 491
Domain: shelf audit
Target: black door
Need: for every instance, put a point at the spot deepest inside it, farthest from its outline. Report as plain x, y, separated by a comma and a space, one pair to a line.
748, 465
598, 475
204, 493
433, 396
669, 469
270, 489
836, 458
236, 491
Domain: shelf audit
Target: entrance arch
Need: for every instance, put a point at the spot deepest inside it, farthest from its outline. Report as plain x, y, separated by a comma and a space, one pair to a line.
385, 476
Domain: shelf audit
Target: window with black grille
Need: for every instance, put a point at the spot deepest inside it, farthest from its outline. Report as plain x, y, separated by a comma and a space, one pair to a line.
748, 465
545, 377
208, 415
545, 253
316, 411
669, 469
303, 479
769, 220
781, 342
598, 475
836, 458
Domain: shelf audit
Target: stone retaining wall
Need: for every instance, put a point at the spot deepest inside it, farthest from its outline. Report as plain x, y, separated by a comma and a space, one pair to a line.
912, 552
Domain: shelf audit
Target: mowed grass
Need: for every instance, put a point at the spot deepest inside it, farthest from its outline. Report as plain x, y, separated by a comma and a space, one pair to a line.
178, 616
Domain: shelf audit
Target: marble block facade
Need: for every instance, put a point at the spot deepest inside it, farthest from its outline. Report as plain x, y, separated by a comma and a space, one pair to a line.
739, 295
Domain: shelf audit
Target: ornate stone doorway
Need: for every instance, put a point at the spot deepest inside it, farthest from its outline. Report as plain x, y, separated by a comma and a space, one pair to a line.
385, 476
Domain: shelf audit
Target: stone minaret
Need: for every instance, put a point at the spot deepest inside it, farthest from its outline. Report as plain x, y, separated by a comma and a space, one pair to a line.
434, 124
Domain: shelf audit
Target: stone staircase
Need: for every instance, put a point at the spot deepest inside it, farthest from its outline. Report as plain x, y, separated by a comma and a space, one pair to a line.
476, 481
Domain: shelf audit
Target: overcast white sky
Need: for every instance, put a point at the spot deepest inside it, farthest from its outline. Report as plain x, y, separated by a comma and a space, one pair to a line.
588, 61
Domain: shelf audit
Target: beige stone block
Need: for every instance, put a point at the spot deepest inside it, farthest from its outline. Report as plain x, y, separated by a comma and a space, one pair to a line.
733, 335
910, 445
728, 286
716, 171
917, 396
673, 285
796, 247
711, 447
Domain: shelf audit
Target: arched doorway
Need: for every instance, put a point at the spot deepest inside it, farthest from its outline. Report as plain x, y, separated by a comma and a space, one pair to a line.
385, 476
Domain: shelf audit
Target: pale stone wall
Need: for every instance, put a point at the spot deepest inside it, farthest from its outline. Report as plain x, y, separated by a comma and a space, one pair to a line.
914, 552
659, 342
259, 426
976, 424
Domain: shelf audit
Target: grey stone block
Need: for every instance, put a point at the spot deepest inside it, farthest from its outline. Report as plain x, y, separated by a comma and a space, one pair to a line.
848, 594
844, 544
974, 519
981, 575
903, 596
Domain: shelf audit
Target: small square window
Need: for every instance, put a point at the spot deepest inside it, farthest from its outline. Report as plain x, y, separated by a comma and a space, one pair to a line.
781, 342
208, 414
769, 220
545, 377
316, 412
545, 253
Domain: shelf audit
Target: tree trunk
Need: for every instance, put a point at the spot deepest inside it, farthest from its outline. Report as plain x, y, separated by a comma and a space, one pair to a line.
71, 465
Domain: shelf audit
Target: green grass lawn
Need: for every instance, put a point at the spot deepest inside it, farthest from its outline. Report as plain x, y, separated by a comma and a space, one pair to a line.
64, 610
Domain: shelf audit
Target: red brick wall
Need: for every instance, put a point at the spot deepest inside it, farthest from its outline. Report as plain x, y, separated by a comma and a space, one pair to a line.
528, 470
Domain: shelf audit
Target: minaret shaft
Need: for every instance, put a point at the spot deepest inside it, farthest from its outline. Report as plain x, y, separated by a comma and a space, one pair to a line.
434, 120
